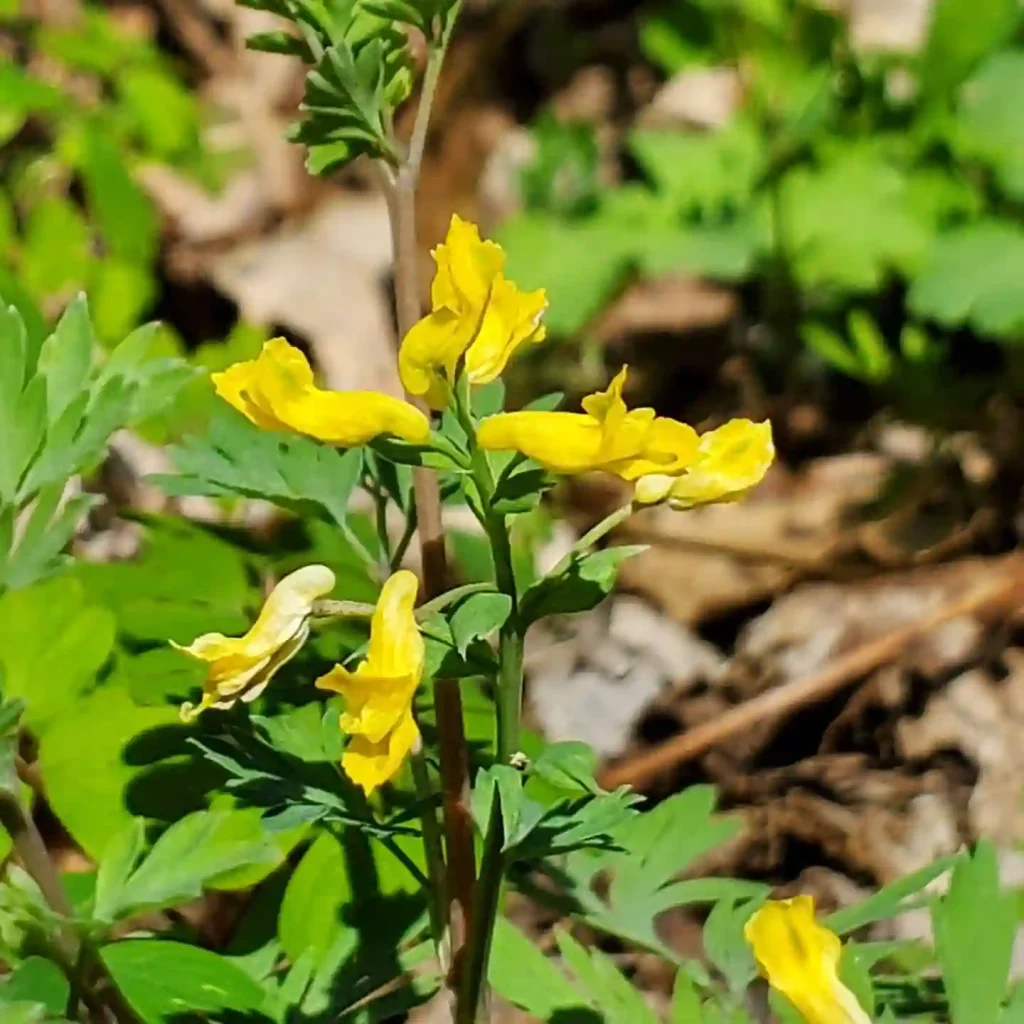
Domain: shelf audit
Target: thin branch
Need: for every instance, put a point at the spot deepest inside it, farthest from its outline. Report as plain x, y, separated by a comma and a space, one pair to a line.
1005, 592
418, 141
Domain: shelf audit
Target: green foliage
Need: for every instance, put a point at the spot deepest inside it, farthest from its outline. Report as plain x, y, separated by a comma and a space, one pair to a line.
193, 852
117, 102
236, 459
58, 409
844, 182
160, 978
975, 925
584, 583
360, 70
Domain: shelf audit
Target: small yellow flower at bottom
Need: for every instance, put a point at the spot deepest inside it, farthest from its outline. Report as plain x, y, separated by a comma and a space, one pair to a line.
241, 667
800, 959
276, 392
379, 693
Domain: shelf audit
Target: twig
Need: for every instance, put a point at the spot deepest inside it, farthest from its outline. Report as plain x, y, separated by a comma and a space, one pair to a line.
636, 771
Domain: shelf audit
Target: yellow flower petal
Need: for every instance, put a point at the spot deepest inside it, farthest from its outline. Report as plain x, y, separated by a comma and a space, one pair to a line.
276, 392
430, 352
239, 668
379, 694
466, 267
800, 958
511, 319
729, 462
669, 448
369, 765
476, 312
607, 436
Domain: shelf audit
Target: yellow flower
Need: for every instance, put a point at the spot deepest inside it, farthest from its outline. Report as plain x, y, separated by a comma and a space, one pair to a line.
241, 667
276, 392
727, 463
606, 436
800, 958
379, 694
476, 315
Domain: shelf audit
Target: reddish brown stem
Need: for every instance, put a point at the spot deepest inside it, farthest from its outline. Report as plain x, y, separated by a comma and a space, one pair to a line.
458, 823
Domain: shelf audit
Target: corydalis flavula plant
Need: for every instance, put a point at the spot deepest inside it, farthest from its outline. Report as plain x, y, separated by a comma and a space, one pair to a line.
479, 320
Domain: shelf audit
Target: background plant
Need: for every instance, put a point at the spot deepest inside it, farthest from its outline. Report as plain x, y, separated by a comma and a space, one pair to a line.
335, 922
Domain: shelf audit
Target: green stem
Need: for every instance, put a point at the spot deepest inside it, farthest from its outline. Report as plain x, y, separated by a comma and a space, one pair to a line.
410, 865
372, 564
450, 597
398, 556
433, 849
592, 536
509, 704
492, 870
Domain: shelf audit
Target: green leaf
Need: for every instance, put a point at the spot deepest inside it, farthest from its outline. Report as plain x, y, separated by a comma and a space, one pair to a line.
580, 263
582, 586
188, 856
685, 1000
84, 757
569, 766
66, 357
705, 173
975, 924
849, 224
162, 112
960, 35
237, 458
656, 847
122, 211
22, 403
521, 974
477, 617
53, 641
46, 529
348, 889
726, 946
889, 901
972, 277
162, 980
56, 254
608, 989
348, 92
186, 582
989, 124
36, 980
122, 291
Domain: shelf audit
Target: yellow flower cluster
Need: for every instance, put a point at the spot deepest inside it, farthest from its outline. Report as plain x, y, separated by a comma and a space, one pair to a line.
668, 460
478, 318
800, 958
478, 321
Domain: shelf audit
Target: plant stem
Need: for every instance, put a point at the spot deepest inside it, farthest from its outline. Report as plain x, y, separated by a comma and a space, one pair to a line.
434, 851
492, 870
509, 707
460, 883
31, 850
592, 536
418, 142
